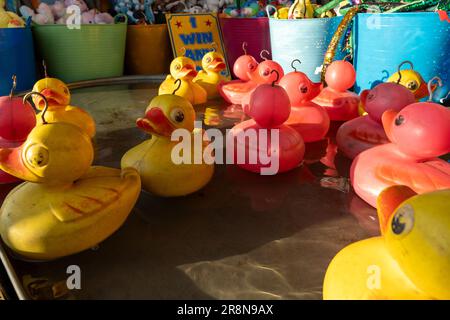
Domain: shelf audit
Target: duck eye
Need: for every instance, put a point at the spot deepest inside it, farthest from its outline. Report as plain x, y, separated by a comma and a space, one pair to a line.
399, 120
177, 115
403, 221
266, 72
370, 97
37, 156
412, 85
177, 67
66, 90
208, 60
303, 89
251, 66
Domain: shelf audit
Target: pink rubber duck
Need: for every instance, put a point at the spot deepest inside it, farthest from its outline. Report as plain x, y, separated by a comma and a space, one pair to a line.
341, 104
362, 133
239, 91
419, 134
16, 121
309, 119
267, 136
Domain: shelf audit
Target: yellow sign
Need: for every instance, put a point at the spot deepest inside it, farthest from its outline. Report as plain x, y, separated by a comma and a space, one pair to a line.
194, 35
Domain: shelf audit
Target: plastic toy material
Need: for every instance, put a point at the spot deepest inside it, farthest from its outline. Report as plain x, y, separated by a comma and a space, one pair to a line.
365, 132
269, 107
410, 79
419, 134
16, 121
65, 206
57, 95
341, 104
159, 173
245, 65
309, 119
239, 92
212, 63
409, 260
183, 68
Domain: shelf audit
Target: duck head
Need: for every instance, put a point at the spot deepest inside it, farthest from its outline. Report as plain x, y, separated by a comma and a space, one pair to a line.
167, 113
420, 130
183, 68
300, 88
413, 81
213, 62
416, 230
264, 75
244, 66
385, 96
53, 153
54, 90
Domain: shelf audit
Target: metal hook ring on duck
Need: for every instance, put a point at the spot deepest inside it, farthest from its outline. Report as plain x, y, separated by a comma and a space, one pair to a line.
244, 47
13, 87
292, 64
399, 69
29, 94
278, 77
179, 85
262, 56
430, 90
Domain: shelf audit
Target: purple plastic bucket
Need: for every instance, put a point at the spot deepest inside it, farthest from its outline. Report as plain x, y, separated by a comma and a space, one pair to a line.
254, 31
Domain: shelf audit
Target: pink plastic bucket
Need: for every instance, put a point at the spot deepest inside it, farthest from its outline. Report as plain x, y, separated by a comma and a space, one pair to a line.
254, 31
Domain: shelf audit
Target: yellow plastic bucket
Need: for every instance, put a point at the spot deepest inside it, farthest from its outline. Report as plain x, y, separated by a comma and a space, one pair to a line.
148, 49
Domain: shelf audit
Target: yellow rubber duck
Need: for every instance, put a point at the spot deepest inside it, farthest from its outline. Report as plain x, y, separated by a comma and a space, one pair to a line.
153, 158
57, 94
301, 9
412, 80
212, 63
9, 19
183, 68
65, 206
410, 260
281, 13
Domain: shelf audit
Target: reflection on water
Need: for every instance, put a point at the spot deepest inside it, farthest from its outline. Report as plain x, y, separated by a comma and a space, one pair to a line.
287, 268
242, 236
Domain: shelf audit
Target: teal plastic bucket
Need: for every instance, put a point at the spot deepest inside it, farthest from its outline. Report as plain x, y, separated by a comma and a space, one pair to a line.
383, 41
17, 56
303, 39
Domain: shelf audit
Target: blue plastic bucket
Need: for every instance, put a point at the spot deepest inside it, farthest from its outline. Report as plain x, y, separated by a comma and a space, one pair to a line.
303, 39
17, 58
383, 41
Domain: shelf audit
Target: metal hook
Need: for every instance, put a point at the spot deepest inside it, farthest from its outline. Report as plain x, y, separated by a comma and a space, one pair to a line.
261, 54
278, 77
183, 51
244, 47
350, 52
292, 64
29, 94
179, 85
447, 97
430, 91
399, 71
14, 79
45, 69
214, 47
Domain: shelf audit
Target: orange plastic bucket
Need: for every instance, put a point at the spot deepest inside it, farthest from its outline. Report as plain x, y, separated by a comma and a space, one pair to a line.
148, 49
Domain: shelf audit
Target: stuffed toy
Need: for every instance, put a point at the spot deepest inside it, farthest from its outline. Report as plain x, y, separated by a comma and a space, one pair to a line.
9, 19
44, 14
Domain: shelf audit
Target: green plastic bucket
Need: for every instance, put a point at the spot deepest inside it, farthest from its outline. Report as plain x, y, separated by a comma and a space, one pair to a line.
91, 52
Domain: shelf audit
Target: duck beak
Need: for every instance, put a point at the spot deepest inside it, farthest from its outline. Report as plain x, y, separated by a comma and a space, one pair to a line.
53, 98
11, 162
387, 119
388, 201
316, 87
187, 71
363, 97
216, 65
155, 122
